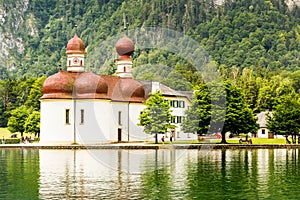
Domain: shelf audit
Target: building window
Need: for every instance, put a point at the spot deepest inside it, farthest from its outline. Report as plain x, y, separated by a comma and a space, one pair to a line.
120, 118
173, 119
124, 69
179, 119
174, 103
263, 131
171, 103
81, 116
181, 104
177, 104
67, 116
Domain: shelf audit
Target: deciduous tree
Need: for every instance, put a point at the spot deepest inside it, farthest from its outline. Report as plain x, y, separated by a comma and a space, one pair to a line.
156, 117
32, 123
199, 113
208, 114
16, 122
285, 119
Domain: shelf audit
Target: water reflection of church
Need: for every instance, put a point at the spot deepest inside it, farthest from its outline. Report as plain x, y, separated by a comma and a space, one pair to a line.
84, 107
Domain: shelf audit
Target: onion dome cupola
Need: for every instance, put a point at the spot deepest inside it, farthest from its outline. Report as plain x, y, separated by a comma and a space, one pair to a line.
90, 85
59, 86
124, 47
75, 55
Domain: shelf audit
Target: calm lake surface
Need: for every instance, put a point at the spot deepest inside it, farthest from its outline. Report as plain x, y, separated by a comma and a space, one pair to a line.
150, 174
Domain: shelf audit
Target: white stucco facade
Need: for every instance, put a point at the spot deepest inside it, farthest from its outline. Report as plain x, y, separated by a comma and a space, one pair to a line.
95, 121
101, 121
178, 107
263, 133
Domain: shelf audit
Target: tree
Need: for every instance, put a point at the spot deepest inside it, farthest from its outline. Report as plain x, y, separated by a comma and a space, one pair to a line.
272, 92
35, 93
199, 113
156, 117
16, 122
285, 119
239, 117
204, 116
32, 123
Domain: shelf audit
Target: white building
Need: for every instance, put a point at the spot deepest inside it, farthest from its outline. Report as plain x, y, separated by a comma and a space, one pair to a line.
86, 108
263, 131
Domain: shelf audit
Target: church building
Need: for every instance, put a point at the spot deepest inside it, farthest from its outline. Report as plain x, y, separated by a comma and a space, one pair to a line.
86, 108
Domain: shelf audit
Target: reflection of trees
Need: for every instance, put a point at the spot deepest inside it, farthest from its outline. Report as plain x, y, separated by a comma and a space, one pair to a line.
155, 182
19, 171
222, 174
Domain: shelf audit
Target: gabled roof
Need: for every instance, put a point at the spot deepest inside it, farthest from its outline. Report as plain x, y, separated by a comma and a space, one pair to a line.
150, 86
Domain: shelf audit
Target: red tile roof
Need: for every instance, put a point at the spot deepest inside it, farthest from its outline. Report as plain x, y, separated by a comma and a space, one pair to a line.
87, 85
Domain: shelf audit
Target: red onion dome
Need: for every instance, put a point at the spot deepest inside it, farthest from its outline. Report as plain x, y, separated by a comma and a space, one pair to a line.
129, 90
75, 45
59, 85
125, 46
90, 85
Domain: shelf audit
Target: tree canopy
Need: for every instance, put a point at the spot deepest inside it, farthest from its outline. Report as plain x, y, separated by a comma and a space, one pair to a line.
239, 117
17, 120
235, 118
156, 117
254, 34
32, 123
198, 115
285, 119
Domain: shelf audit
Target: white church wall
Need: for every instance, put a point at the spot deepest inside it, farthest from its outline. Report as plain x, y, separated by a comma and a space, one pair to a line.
119, 119
96, 123
53, 121
136, 132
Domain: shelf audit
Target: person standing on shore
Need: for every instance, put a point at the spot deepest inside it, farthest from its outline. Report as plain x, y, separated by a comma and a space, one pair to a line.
3, 140
163, 139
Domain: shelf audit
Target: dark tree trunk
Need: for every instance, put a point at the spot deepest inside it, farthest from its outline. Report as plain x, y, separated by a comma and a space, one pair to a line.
223, 141
287, 139
294, 139
156, 140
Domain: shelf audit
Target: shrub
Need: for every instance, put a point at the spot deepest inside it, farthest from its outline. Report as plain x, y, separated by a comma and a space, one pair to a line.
12, 141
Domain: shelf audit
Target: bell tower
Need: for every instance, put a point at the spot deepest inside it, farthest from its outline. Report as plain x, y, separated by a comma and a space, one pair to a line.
125, 48
75, 55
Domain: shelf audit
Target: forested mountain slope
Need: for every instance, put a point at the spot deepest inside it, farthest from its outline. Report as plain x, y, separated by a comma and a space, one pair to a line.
257, 34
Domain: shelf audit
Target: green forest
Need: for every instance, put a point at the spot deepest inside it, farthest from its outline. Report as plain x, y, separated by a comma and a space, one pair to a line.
254, 44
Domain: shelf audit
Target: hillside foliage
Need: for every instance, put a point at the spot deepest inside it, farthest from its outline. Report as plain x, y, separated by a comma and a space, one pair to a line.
262, 35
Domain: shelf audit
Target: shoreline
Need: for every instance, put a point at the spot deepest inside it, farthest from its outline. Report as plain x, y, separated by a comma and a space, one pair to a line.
141, 146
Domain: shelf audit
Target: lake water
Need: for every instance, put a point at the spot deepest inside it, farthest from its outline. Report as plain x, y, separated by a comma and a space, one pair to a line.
150, 174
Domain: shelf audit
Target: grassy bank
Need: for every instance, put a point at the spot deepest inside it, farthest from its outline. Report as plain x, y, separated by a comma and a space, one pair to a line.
6, 133
230, 141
